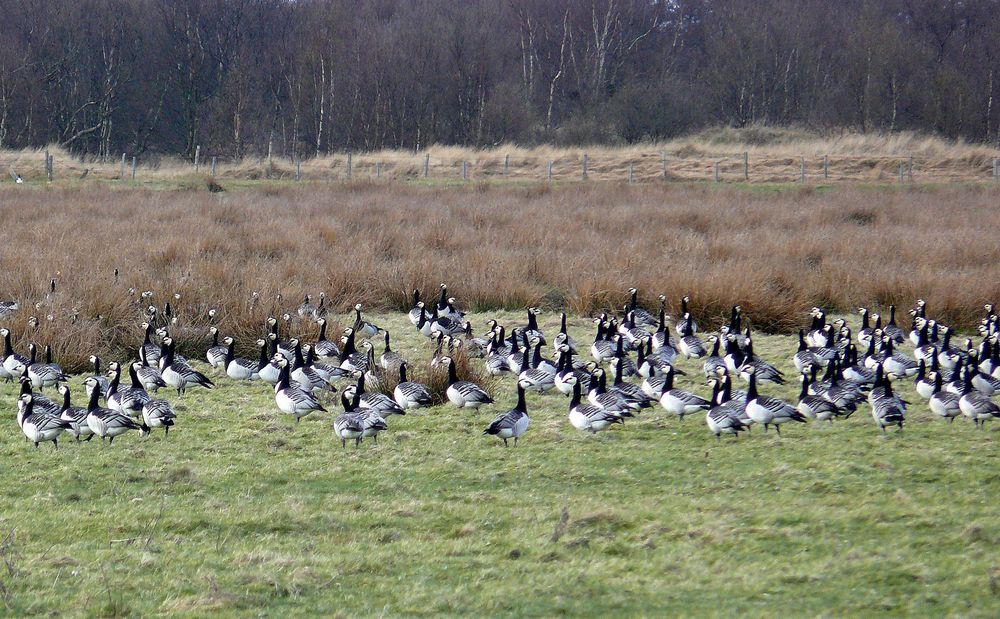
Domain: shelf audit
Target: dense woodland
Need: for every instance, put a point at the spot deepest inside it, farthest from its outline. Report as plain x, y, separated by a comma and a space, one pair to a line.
102, 77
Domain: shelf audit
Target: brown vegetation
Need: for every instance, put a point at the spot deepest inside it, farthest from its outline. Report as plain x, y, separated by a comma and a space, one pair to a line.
576, 247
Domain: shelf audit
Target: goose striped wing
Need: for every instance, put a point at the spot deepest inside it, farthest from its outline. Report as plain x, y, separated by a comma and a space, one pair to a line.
776, 407
415, 392
688, 398
472, 392
379, 402
45, 423
301, 400
47, 372
506, 421
595, 413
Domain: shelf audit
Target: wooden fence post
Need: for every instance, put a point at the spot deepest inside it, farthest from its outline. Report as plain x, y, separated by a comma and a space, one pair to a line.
214, 161
133, 167
122, 174
901, 166
996, 168
378, 169
826, 166
909, 172
746, 165
584, 166
427, 164
298, 169
350, 165
270, 147
631, 173
802, 170
506, 163
664, 165
49, 160
550, 170
197, 157
716, 172
465, 171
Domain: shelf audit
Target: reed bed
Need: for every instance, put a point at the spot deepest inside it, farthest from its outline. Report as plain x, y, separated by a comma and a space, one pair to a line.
254, 253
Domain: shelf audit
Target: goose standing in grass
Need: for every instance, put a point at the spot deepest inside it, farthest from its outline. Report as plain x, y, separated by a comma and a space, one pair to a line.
180, 375
896, 364
614, 402
389, 359
371, 422
43, 375
376, 402
587, 417
151, 350
767, 410
410, 395
686, 325
892, 330
216, 353
602, 350
125, 399
416, 310
307, 310
514, 423
721, 418
563, 337
39, 427
713, 361
303, 374
464, 393
535, 379
678, 401
815, 406
763, 371
981, 382
350, 358
349, 425
150, 377
975, 405
239, 368
633, 394
689, 344
362, 327
660, 340
923, 381
75, 415
14, 363
269, 371
642, 318
325, 349
291, 399
942, 403
285, 347
158, 414
107, 423
887, 409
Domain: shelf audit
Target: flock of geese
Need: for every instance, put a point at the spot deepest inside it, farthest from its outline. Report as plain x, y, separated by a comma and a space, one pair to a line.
627, 368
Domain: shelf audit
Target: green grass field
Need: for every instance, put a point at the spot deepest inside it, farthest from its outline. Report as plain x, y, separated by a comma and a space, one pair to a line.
242, 512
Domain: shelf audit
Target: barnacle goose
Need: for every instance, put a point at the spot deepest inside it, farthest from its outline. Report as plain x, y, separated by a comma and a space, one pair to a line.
535, 379
39, 427
689, 344
924, 350
892, 329
531, 330
152, 351
713, 361
150, 377
75, 415
293, 400
416, 310
350, 359
563, 337
285, 347
325, 349
598, 395
942, 403
408, 394
924, 382
269, 371
815, 406
376, 402
767, 410
372, 422
975, 405
678, 401
580, 372
602, 350
349, 425
514, 423
180, 375
588, 417
896, 364
107, 423
865, 332
389, 359
362, 327
887, 409
216, 353
43, 374
641, 317
42, 404
304, 374
307, 310
239, 368
763, 371
981, 382
463, 393
686, 325
633, 394
128, 399
818, 334
14, 363
158, 414
722, 418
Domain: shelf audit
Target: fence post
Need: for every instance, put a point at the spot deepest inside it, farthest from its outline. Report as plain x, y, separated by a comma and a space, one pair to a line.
48, 165
298, 169
427, 164
465, 171
350, 165
122, 174
584, 166
378, 169
197, 157
550, 170
270, 146
214, 161
664, 165
909, 172
133, 167
996, 168
746, 165
901, 167
716, 171
506, 163
631, 172
826, 166
802, 170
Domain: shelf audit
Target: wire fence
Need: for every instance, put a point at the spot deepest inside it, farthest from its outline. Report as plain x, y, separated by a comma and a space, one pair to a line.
632, 166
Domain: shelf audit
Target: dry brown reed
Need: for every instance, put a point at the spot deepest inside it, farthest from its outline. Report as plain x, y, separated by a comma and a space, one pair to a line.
575, 247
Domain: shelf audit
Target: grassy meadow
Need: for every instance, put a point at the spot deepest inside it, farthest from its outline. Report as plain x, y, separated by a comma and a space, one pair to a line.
242, 512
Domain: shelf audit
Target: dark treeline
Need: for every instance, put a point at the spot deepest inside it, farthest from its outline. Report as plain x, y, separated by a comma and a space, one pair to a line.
160, 76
